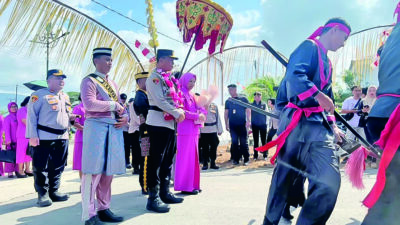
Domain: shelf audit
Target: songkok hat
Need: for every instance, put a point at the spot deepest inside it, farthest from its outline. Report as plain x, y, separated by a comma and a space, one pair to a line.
55, 72
232, 86
141, 75
102, 51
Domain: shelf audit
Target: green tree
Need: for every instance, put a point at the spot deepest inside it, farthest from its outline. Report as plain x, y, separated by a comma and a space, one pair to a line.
73, 96
265, 85
351, 79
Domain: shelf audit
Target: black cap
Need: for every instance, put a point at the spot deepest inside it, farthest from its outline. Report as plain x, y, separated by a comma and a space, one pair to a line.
102, 51
55, 72
232, 86
123, 96
165, 52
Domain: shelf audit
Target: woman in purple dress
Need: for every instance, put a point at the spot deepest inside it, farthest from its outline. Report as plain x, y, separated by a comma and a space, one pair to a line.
23, 142
79, 122
1, 143
187, 168
10, 133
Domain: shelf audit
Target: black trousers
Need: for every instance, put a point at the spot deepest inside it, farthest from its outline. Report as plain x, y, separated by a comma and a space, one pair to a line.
386, 209
162, 151
48, 161
128, 142
319, 160
137, 158
208, 143
239, 135
259, 131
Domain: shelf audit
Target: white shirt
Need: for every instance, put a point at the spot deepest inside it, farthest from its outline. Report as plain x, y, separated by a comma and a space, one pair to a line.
350, 104
134, 120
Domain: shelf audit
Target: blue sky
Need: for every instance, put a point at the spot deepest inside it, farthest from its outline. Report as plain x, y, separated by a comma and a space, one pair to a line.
283, 23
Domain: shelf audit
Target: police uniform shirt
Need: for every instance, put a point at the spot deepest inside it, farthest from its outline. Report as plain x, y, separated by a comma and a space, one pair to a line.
258, 119
213, 122
158, 95
48, 109
237, 113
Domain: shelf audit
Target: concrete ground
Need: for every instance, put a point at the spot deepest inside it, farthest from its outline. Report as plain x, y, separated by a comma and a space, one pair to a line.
230, 196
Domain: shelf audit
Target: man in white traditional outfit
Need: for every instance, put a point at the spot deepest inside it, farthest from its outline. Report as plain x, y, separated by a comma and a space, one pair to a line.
103, 145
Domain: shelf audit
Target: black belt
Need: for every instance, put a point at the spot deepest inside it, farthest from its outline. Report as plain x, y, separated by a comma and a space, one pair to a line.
155, 108
210, 124
51, 130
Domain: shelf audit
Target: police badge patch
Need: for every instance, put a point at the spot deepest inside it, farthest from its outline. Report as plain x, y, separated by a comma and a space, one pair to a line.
34, 98
156, 80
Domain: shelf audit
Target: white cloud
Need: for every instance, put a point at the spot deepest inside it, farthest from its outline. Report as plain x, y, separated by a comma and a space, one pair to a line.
367, 4
77, 3
82, 6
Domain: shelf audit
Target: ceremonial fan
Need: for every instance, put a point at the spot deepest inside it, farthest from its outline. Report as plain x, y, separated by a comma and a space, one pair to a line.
206, 20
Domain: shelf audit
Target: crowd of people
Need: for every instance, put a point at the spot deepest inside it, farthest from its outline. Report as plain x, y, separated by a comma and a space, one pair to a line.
168, 130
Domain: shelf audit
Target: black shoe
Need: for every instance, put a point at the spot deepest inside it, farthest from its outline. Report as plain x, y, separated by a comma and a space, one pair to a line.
154, 202
205, 166
194, 192
108, 216
166, 196
286, 213
29, 174
20, 175
11, 176
136, 171
58, 197
213, 166
44, 200
128, 166
93, 221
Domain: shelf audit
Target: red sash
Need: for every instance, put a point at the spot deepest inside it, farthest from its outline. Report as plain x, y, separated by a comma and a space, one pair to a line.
280, 140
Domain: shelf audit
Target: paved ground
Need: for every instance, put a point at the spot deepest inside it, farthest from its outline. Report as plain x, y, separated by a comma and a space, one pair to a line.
230, 196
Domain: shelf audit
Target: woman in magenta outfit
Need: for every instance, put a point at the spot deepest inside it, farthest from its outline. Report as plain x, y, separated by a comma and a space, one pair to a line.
1, 143
187, 168
10, 133
22, 142
79, 122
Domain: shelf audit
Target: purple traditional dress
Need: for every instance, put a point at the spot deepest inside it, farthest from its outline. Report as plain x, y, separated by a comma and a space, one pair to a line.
187, 168
10, 133
1, 143
77, 163
22, 141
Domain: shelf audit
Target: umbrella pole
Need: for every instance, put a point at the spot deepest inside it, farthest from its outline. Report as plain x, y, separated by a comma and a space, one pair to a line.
191, 46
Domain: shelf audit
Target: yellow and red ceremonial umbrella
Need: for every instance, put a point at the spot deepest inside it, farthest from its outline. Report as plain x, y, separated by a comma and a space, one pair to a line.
205, 19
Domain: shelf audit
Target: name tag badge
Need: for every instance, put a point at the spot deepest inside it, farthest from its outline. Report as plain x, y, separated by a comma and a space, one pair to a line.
51, 99
234, 111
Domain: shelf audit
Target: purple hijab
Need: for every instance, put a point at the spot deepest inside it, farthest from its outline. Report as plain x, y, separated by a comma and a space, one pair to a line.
9, 107
184, 81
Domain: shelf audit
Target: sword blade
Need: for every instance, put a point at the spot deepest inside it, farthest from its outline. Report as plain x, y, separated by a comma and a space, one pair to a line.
252, 107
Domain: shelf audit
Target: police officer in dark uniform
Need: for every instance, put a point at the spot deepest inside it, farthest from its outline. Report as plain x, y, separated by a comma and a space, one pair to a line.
141, 107
48, 119
259, 124
237, 122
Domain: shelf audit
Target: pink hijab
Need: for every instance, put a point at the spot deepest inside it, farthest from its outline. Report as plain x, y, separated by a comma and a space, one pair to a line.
184, 81
9, 108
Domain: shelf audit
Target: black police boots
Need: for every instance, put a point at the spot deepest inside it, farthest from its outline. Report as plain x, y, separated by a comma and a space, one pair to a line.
44, 200
166, 196
58, 197
94, 221
108, 216
213, 165
154, 202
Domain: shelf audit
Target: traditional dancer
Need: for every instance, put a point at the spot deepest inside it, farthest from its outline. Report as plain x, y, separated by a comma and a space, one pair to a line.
187, 168
306, 132
384, 130
103, 144
164, 111
48, 120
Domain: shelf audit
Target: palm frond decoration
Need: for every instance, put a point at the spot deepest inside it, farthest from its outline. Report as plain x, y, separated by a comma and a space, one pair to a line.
29, 18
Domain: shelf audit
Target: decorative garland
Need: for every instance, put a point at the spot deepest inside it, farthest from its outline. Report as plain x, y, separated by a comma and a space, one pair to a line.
153, 42
174, 91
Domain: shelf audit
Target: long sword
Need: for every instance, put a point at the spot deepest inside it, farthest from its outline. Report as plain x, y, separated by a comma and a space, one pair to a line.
252, 107
337, 115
